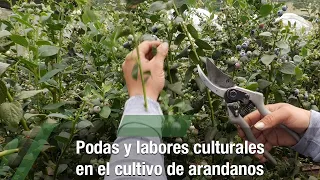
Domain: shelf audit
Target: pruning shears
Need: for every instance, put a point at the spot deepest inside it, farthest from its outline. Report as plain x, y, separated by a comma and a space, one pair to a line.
239, 101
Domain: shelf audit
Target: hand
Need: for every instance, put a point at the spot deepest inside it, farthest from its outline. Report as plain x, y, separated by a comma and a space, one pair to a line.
267, 131
154, 64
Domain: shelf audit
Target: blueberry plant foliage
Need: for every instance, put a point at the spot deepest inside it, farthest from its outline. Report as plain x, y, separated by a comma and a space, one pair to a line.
60, 64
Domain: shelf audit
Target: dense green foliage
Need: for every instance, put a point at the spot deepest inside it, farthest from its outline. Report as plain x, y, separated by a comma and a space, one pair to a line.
60, 63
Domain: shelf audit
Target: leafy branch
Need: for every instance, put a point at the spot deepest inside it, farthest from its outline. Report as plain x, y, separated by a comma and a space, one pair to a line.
66, 147
137, 68
185, 29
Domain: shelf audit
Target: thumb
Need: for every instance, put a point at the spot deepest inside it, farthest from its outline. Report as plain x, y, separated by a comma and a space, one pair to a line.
162, 52
271, 120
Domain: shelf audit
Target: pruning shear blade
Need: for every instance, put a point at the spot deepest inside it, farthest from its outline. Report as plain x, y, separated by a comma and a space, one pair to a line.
217, 81
217, 77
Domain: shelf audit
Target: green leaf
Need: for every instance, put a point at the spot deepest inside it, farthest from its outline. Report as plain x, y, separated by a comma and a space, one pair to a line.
88, 16
3, 92
298, 72
244, 19
188, 74
211, 132
287, 78
203, 45
157, 6
58, 115
19, 40
267, 59
3, 67
241, 79
246, 160
230, 3
193, 32
154, 50
282, 45
16, 17
179, 3
297, 59
265, 10
49, 75
288, 68
285, 51
53, 106
11, 113
253, 76
28, 115
266, 34
252, 86
263, 83
13, 144
4, 33
46, 50
304, 52
135, 71
122, 32
105, 112
176, 87
278, 96
183, 53
184, 106
200, 84
43, 42
179, 39
193, 57
61, 168
191, 2
147, 74
84, 124
178, 20
63, 137
28, 94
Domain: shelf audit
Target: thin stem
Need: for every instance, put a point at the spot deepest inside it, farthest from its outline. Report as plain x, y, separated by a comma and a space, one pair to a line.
140, 68
198, 60
24, 124
8, 152
270, 75
170, 57
73, 131
211, 109
45, 155
185, 29
9, 96
142, 79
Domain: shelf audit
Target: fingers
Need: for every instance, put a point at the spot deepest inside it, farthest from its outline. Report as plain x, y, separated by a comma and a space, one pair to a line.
144, 49
272, 120
162, 52
255, 116
146, 46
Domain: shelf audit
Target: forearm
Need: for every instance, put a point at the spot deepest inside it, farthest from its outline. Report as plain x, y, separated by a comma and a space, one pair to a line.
137, 124
309, 145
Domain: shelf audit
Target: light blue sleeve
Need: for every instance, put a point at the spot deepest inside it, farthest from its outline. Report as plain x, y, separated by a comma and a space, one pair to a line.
309, 145
135, 106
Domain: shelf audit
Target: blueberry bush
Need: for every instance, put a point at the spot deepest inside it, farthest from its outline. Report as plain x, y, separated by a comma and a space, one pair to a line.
60, 64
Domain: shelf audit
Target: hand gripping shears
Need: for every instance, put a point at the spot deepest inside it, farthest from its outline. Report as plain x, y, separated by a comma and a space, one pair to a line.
239, 101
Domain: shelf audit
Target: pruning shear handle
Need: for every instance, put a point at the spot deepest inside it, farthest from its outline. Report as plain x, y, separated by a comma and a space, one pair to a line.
247, 130
237, 95
239, 101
